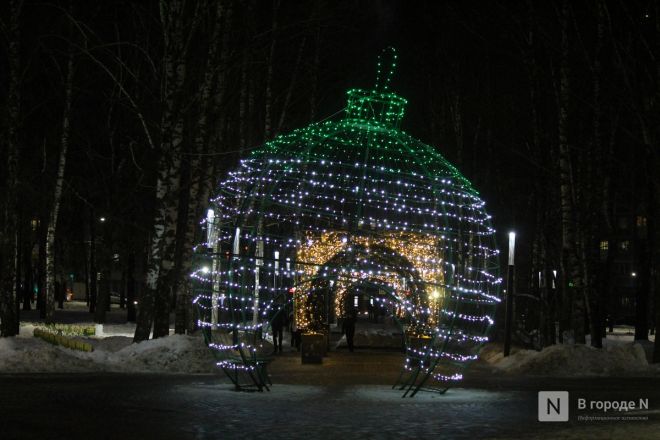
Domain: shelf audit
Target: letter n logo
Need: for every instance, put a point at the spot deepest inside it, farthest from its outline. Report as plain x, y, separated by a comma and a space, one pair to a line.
553, 406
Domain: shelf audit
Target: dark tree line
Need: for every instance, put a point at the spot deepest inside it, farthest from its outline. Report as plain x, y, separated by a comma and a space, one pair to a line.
119, 117
548, 109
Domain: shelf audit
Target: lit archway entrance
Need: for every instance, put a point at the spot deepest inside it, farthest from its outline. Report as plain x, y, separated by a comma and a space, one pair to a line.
394, 264
371, 260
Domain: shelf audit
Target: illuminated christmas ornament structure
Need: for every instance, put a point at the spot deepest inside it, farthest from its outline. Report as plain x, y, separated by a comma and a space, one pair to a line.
346, 205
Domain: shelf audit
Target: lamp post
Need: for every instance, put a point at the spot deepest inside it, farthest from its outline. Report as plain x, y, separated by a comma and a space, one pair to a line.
510, 286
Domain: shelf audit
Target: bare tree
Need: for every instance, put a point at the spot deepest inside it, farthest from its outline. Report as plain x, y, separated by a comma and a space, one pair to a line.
590, 245
542, 194
587, 180
202, 163
292, 83
654, 202
155, 298
8, 220
268, 119
644, 110
571, 277
57, 191
316, 63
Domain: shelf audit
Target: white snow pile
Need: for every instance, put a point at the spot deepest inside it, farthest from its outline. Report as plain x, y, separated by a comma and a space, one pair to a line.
172, 354
32, 355
572, 360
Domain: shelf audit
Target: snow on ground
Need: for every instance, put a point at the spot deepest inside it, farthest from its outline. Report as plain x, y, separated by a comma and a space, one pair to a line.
373, 335
115, 352
172, 354
620, 355
113, 348
573, 360
373, 338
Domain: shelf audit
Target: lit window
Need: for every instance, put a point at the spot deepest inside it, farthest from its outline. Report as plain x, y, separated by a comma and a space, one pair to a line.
604, 245
641, 221
625, 245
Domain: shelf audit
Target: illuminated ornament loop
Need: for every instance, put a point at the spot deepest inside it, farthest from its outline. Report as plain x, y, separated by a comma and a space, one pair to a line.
344, 206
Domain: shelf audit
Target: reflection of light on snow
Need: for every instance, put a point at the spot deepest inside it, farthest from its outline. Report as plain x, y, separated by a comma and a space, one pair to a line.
453, 395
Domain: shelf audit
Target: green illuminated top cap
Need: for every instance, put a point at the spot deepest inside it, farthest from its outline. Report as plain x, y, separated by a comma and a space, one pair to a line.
379, 106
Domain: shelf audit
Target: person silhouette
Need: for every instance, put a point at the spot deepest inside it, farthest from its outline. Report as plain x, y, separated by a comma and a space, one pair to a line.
277, 326
295, 331
348, 327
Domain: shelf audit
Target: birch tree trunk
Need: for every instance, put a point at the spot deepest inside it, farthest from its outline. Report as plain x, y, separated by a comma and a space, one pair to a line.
645, 108
645, 236
289, 91
570, 268
652, 236
268, 119
586, 180
93, 278
607, 211
541, 192
19, 281
41, 264
57, 193
130, 287
242, 106
154, 303
252, 135
316, 64
8, 200
27, 268
595, 295
201, 167
455, 107
654, 206
648, 259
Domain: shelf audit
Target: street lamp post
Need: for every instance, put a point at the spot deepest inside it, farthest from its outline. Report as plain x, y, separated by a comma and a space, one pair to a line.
510, 286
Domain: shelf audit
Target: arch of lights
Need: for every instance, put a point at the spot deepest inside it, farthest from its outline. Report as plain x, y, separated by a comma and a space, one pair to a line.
314, 213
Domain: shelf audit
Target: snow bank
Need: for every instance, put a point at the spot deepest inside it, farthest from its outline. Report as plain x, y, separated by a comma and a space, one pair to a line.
572, 360
33, 355
173, 354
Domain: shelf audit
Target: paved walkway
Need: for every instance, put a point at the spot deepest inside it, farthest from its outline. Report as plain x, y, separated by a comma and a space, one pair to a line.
203, 407
339, 368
